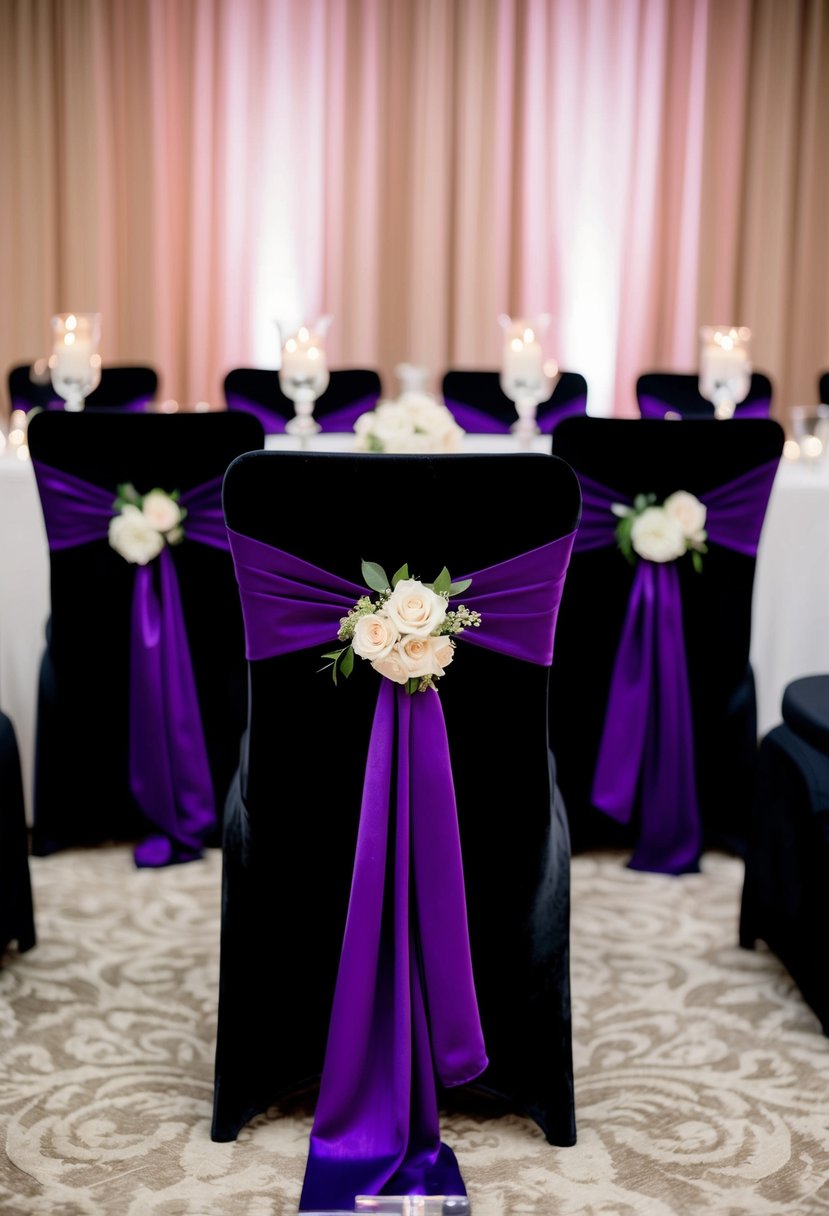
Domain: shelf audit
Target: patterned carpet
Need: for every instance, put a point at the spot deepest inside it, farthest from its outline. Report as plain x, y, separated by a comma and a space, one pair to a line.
702, 1080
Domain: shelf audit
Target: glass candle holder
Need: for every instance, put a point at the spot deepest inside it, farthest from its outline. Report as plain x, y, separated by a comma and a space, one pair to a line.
75, 364
724, 367
526, 378
303, 376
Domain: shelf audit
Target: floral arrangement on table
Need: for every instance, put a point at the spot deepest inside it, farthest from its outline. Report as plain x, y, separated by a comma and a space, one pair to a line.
405, 632
145, 523
662, 533
414, 422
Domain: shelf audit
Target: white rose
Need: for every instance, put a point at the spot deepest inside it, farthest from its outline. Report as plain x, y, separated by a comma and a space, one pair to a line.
134, 537
162, 511
374, 636
689, 513
415, 609
391, 667
657, 536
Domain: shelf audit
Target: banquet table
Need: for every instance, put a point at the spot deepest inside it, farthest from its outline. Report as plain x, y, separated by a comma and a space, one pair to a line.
791, 592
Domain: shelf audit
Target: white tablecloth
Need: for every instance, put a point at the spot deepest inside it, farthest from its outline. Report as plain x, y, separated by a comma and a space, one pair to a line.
791, 592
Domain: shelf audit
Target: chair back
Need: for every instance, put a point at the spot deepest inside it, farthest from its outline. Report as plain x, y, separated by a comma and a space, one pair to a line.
126, 387
351, 392
290, 841
16, 910
82, 793
823, 388
664, 394
632, 457
479, 405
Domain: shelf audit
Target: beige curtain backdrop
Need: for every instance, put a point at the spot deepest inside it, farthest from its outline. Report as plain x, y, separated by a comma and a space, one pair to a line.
197, 169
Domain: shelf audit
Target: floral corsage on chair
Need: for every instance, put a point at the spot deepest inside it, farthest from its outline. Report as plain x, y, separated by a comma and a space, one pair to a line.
405, 632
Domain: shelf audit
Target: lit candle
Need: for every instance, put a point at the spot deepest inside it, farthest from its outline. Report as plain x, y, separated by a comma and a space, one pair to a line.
724, 367
303, 375
522, 365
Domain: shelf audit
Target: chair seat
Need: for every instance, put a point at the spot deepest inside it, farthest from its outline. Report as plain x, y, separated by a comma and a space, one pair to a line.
806, 710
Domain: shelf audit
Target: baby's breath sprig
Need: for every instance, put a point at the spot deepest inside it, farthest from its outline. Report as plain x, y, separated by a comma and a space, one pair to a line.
460, 618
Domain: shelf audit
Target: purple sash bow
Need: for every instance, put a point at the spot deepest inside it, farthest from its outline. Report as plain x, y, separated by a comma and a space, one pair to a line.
478, 421
169, 770
654, 407
341, 419
404, 1008
647, 742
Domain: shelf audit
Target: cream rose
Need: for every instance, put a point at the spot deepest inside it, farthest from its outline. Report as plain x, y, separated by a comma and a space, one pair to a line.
657, 536
417, 656
415, 609
392, 667
134, 537
688, 512
443, 652
374, 636
160, 510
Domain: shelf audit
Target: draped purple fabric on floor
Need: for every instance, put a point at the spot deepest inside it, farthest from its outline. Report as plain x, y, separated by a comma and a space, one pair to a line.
647, 744
338, 420
404, 1008
169, 769
478, 421
655, 407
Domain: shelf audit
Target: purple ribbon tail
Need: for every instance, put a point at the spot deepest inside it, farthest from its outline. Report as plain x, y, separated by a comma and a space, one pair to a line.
169, 770
647, 742
404, 1004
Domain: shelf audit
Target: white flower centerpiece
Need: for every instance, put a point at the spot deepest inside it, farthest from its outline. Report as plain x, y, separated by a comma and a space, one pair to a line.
144, 524
662, 533
406, 631
413, 422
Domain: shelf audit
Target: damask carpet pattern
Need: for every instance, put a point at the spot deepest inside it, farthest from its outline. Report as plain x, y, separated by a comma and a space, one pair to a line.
702, 1080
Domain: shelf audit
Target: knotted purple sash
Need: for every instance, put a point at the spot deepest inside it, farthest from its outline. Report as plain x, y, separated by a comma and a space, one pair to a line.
654, 407
647, 743
404, 1006
338, 420
169, 770
478, 421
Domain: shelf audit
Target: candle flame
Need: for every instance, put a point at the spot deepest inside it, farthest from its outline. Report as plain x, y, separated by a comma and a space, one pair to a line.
290, 345
71, 321
69, 339
529, 336
516, 344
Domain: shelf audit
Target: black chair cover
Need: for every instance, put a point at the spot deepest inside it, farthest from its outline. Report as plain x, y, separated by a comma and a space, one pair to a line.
785, 899
17, 922
291, 818
81, 790
823, 388
120, 386
260, 386
680, 393
482, 389
636, 456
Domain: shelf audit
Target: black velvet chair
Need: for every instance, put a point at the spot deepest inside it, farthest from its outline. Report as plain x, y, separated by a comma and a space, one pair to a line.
671, 394
17, 922
634, 457
785, 899
81, 786
351, 391
291, 818
479, 405
823, 388
130, 388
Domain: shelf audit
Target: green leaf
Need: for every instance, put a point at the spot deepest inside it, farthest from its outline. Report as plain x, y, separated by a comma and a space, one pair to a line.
402, 573
457, 588
335, 654
696, 558
375, 576
442, 583
413, 684
347, 663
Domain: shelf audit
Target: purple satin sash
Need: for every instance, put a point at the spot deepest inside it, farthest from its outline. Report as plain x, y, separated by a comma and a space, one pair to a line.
338, 420
169, 770
478, 421
654, 407
647, 744
404, 1006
